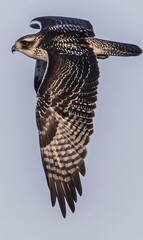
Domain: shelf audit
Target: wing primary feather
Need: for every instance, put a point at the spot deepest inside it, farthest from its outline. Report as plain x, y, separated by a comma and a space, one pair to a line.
52, 191
77, 182
82, 168
60, 196
72, 190
68, 197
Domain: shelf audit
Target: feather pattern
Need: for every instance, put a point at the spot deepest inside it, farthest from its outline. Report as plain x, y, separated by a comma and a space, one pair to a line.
66, 80
64, 112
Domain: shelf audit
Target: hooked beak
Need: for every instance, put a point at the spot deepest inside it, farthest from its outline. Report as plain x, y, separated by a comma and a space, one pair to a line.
13, 49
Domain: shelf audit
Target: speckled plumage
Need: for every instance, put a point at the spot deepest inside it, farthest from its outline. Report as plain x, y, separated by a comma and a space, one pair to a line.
66, 80
64, 114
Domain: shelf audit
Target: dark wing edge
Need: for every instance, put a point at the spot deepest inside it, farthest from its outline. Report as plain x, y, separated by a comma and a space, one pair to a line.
64, 125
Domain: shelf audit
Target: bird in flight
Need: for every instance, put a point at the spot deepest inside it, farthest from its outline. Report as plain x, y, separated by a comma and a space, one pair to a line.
65, 81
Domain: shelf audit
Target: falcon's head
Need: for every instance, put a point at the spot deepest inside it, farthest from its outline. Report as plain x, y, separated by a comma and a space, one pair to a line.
30, 46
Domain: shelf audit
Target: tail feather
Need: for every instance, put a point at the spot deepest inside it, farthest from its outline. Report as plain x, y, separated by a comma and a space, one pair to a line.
105, 48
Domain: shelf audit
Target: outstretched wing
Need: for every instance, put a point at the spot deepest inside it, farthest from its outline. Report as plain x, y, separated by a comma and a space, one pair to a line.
65, 108
63, 25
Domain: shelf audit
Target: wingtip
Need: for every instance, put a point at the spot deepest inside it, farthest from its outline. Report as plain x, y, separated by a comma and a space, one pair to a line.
77, 182
63, 211
64, 216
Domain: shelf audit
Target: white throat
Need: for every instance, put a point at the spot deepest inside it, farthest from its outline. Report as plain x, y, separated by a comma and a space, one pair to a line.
36, 53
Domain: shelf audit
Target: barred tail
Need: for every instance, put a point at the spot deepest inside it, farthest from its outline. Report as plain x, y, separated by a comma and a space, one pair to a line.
105, 48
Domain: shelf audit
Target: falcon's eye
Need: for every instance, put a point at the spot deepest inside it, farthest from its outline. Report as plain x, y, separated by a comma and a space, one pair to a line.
24, 43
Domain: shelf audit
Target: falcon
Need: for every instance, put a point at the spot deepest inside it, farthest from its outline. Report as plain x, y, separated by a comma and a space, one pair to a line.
65, 81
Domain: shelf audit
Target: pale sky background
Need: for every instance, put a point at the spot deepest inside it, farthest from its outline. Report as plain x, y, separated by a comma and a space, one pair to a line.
111, 207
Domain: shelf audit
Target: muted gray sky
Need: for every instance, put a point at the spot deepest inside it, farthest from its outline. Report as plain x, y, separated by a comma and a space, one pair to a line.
111, 207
